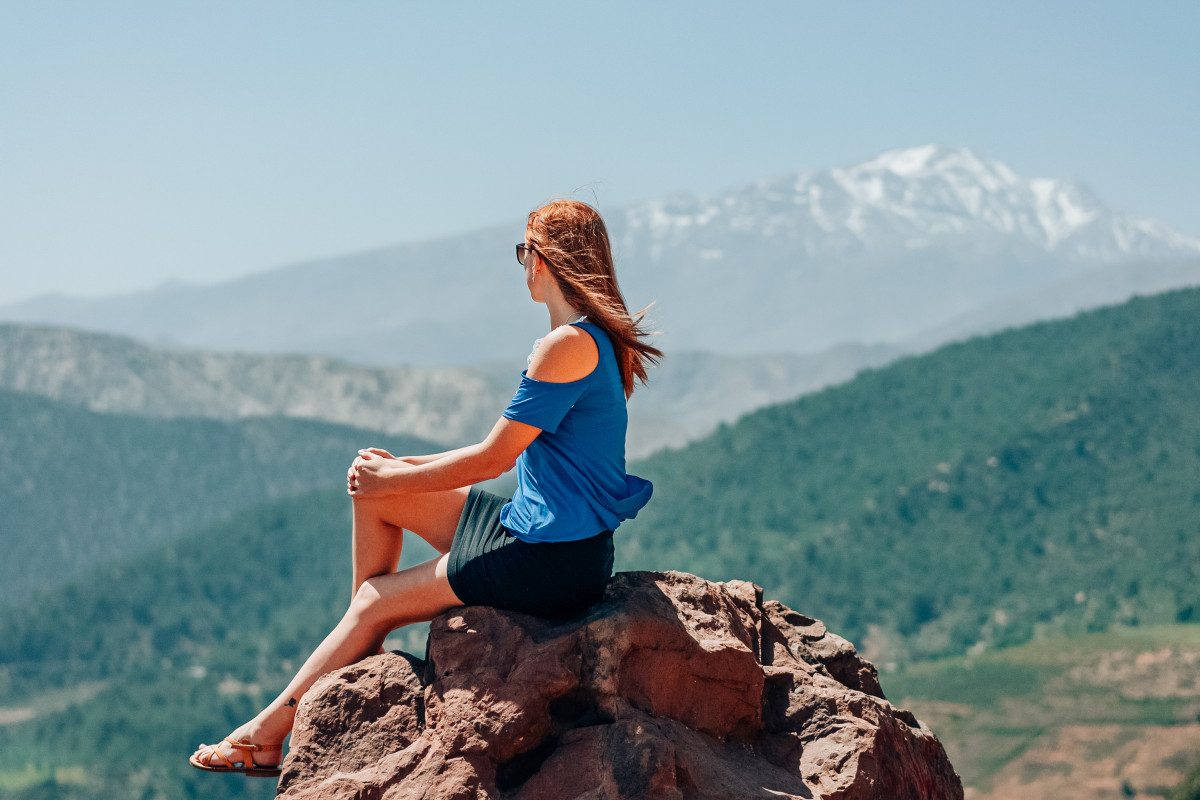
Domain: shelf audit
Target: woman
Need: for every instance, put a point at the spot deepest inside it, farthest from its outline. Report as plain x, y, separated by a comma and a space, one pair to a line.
548, 550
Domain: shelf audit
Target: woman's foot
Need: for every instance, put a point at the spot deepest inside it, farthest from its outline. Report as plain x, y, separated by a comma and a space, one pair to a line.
248, 732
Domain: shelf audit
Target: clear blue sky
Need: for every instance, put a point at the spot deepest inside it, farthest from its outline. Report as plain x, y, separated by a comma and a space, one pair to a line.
146, 141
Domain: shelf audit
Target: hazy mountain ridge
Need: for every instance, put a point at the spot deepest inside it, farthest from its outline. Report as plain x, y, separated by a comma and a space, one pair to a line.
1065, 297
688, 395
105, 372
876, 252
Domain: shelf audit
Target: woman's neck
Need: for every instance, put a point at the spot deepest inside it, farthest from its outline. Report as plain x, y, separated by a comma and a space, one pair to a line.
570, 316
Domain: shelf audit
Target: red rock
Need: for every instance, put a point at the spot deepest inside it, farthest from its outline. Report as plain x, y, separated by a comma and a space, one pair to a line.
671, 687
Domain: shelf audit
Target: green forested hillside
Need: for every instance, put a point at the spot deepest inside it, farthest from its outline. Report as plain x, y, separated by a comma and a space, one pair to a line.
79, 487
1040, 477
171, 648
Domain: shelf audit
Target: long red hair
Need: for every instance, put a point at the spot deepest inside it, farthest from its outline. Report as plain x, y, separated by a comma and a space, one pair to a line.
573, 240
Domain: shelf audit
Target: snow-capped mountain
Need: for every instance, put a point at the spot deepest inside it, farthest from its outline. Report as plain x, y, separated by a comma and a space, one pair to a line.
878, 251
909, 199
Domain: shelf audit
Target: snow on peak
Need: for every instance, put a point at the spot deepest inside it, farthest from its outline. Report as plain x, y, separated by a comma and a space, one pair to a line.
912, 198
904, 161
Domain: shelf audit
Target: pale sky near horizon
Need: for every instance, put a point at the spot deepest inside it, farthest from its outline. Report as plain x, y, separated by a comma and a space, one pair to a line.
147, 141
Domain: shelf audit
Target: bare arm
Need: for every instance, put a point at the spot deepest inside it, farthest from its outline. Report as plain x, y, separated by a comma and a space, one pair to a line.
564, 356
465, 466
425, 459
450, 470
421, 459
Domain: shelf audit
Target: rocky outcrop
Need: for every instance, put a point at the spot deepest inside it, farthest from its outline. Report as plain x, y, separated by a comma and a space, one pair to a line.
671, 687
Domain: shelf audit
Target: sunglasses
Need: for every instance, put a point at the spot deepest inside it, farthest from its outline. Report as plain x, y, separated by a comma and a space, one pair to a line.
523, 253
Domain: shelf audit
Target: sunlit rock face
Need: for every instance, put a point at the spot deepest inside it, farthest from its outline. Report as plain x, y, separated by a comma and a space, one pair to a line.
672, 686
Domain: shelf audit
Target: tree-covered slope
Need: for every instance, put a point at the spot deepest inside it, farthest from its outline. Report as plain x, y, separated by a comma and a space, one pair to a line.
1045, 475
79, 487
169, 648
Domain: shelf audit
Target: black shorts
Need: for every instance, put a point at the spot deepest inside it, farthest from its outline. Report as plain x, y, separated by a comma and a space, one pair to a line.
489, 566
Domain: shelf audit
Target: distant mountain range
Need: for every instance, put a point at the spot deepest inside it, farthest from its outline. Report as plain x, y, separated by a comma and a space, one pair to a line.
107, 372
910, 241
687, 397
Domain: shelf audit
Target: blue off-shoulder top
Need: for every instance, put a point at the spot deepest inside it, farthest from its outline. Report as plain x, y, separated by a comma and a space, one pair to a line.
571, 480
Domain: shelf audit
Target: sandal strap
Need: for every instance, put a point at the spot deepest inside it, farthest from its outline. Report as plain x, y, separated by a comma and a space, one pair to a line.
248, 761
253, 746
207, 757
244, 745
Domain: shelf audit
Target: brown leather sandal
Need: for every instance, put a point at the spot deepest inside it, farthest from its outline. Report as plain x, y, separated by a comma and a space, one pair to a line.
246, 765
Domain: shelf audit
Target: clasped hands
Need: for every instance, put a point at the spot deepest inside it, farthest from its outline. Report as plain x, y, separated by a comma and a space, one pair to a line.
369, 473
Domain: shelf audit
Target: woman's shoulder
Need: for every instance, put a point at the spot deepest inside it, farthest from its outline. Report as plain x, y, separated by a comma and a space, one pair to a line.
596, 332
566, 354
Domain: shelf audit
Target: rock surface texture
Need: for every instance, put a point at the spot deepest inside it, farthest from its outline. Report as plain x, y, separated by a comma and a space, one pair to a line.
672, 686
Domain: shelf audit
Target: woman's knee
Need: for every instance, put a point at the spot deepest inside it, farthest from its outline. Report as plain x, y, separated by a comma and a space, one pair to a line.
419, 592
367, 604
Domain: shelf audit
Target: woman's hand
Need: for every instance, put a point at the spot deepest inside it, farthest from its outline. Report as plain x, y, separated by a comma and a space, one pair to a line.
368, 474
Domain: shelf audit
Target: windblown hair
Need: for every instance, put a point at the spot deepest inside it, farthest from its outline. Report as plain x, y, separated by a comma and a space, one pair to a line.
573, 241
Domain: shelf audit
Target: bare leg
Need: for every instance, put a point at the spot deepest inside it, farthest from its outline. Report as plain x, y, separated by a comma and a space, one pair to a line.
380, 522
375, 549
381, 604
